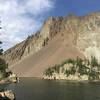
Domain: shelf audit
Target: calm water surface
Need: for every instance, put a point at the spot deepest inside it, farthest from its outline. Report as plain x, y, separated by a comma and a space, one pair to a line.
37, 89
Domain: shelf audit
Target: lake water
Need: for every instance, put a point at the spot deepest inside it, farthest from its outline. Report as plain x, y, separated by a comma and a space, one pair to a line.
37, 89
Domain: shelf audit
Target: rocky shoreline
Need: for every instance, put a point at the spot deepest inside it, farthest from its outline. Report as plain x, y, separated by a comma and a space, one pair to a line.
11, 79
8, 94
71, 79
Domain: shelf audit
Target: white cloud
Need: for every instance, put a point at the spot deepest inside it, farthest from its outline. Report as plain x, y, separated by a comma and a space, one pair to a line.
19, 18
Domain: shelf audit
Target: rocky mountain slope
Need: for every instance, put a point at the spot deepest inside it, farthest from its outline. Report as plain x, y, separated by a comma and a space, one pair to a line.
58, 39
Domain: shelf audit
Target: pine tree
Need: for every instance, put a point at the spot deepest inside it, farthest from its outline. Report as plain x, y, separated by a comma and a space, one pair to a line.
3, 64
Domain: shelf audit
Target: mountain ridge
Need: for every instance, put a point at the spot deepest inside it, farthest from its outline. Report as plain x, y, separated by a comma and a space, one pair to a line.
70, 33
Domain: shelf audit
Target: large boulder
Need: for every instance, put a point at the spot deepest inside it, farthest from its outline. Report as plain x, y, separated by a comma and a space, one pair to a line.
7, 95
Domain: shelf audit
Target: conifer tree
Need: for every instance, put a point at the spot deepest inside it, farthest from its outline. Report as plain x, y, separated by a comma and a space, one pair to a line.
3, 64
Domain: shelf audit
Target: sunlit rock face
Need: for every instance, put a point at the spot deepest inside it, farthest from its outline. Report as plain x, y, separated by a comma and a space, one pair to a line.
89, 37
82, 32
51, 28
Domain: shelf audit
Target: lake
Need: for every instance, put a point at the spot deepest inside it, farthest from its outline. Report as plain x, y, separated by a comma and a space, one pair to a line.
38, 89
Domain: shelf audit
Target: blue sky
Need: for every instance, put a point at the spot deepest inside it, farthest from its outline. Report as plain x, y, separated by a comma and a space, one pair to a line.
21, 18
78, 7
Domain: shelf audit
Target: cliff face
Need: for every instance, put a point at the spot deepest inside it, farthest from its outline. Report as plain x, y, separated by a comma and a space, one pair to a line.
89, 37
35, 42
81, 32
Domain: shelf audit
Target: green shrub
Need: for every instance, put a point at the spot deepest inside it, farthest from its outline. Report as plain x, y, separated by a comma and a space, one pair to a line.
49, 72
56, 68
94, 62
67, 73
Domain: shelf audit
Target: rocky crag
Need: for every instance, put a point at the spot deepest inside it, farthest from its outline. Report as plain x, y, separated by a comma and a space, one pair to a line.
76, 70
58, 39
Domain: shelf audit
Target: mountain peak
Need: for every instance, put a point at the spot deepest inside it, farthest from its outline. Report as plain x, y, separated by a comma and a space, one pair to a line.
63, 37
